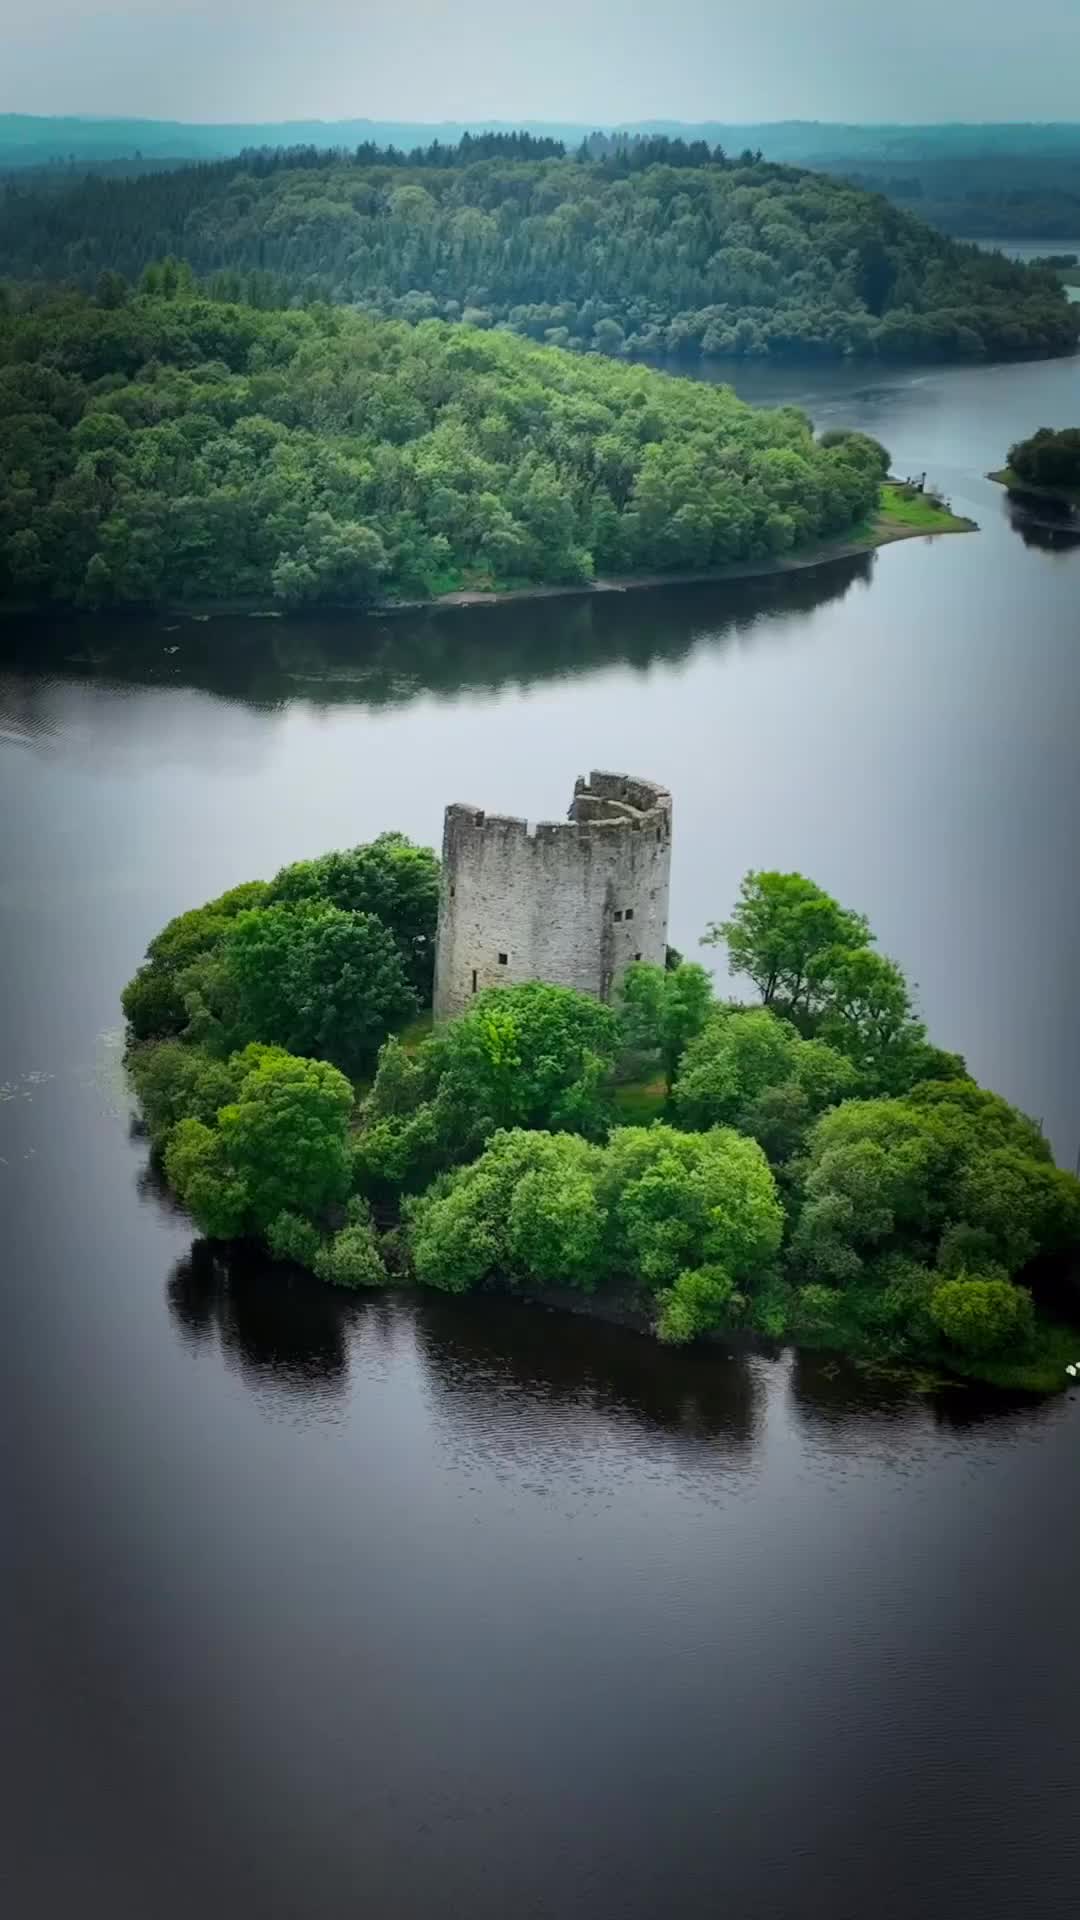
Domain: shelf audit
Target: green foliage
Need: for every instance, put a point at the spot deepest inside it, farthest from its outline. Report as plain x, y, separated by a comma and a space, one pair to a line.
154, 1002
663, 1008
552, 1209
314, 979
908, 1214
290, 1237
322, 961
527, 1209
390, 877
177, 449
983, 1316
701, 1300
351, 1258
751, 1070
864, 1010
657, 247
176, 1082
280, 1146
779, 934
813, 961
860, 448
678, 1200
936, 1179
532, 1056
1048, 458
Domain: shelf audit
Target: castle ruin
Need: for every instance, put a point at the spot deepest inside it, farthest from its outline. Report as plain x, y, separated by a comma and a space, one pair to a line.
573, 902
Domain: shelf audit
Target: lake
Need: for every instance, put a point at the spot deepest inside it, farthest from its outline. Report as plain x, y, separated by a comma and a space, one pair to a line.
315, 1605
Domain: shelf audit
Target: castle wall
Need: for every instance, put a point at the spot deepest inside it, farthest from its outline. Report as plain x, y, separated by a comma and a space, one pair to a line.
573, 902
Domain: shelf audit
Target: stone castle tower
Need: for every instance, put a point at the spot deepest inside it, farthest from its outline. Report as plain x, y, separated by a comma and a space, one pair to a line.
572, 902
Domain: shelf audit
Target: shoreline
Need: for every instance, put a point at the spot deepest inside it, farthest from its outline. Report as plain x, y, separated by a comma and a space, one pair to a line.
1030, 490
883, 533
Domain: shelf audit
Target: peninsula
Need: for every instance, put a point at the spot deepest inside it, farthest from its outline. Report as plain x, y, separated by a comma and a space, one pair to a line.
167, 449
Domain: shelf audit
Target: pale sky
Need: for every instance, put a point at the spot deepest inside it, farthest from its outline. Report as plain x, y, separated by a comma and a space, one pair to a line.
575, 60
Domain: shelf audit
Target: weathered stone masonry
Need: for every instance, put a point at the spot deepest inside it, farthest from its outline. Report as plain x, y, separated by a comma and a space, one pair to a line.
573, 902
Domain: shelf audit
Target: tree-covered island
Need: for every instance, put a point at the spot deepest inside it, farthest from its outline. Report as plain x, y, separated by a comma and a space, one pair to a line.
806, 1166
166, 448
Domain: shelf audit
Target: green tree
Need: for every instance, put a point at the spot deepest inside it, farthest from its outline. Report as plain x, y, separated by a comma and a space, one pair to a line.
154, 1001
531, 1056
752, 1070
174, 1082
351, 1257
779, 933
700, 1300
389, 877
983, 1316
682, 1200
866, 1013
335, 563
859, 448
526, 1210
281, 1146
546, 1209
663, 1009
316, 981
900, 1176
1049, 458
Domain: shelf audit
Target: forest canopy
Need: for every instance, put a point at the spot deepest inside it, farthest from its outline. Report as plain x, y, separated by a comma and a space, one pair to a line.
654, 248
167, 447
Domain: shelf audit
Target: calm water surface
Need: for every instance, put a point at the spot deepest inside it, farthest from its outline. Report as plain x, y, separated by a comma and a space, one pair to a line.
316, 1607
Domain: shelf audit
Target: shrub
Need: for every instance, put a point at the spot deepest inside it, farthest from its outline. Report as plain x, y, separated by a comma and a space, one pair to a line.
290, 1237
701, 1300
983, 1316
352, 1258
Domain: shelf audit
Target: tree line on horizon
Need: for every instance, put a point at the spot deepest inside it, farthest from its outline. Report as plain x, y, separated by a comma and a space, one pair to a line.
994, 181
654, 248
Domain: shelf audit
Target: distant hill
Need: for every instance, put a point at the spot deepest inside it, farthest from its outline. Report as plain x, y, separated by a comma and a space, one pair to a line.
655, 249
992, 180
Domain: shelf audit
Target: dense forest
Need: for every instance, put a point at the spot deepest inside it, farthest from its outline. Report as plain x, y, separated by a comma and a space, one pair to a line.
168, 447
806, 1166
988, 181
654, 249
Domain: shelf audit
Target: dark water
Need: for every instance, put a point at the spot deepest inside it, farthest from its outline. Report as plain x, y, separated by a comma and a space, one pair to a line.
315, 1607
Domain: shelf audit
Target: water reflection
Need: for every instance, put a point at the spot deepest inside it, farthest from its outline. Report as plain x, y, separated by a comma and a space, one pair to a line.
278, 1327
858, 1405
484, 1357
385, 661
1043, 524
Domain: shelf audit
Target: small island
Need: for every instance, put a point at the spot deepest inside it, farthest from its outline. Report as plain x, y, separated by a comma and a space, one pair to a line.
585, 1123
1046, 466
166, 449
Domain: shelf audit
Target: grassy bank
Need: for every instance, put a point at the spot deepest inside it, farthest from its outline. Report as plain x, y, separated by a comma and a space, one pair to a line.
1005, 477
904, 509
